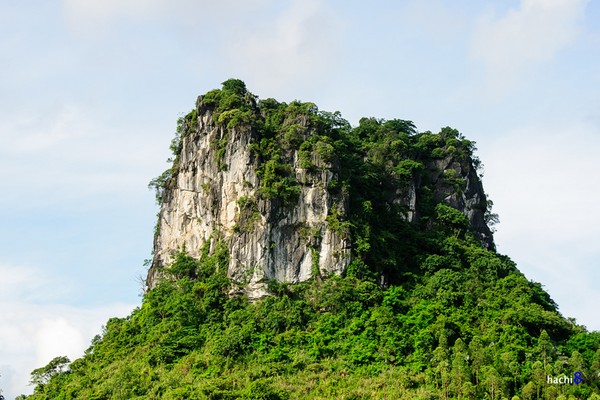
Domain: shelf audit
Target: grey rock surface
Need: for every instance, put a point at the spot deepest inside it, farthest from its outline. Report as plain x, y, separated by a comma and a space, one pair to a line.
204, 202
267, 240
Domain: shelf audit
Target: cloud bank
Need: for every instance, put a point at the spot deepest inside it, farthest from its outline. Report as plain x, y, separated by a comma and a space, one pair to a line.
533, 33
35, 327
542, 181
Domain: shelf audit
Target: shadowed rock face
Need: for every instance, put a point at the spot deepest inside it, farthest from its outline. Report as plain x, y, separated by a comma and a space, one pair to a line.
470, 198
214, 194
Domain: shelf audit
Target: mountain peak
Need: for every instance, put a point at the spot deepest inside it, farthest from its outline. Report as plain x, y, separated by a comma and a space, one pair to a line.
291, 189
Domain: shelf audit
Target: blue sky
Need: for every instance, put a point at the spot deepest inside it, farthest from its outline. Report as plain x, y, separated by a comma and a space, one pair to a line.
90, 93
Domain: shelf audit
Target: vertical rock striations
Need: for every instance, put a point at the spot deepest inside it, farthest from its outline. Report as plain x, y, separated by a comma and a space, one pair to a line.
215, 194
274, 182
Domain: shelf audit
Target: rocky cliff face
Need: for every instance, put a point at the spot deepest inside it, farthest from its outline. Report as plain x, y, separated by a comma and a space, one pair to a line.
217, 198
457, 184
213, 193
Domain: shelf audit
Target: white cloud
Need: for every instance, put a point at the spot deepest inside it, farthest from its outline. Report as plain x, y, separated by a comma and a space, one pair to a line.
549, 172
39, 133
542, 181
71, 154
30, 285
297, 48
265, 42
57, 337
97, 16
531, 34
439, 22
35, 328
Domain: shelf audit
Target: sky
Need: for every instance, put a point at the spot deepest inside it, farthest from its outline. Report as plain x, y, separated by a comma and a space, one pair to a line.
90, 92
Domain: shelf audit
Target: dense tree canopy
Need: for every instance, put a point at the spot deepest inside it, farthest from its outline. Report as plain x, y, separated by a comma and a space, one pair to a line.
453, 320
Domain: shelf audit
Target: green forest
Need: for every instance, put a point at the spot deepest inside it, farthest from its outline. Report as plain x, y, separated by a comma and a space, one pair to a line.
452, 319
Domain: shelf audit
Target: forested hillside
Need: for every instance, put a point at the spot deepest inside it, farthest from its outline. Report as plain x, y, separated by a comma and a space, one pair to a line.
426, 308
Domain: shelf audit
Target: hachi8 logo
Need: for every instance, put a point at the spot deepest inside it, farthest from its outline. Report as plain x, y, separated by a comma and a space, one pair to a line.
576, 379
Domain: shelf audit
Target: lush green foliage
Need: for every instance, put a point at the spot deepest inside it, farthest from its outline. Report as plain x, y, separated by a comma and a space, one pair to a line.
423, 312
56, 366
470, 325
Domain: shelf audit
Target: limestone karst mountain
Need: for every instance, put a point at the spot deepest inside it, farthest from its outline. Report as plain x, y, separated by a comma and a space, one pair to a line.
298, 257
217, 189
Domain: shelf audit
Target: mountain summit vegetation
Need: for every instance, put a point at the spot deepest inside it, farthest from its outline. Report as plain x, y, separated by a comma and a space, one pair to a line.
426, 308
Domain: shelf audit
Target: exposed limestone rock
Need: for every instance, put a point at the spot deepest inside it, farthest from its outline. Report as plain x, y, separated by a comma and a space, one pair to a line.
267, 239
214, 193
